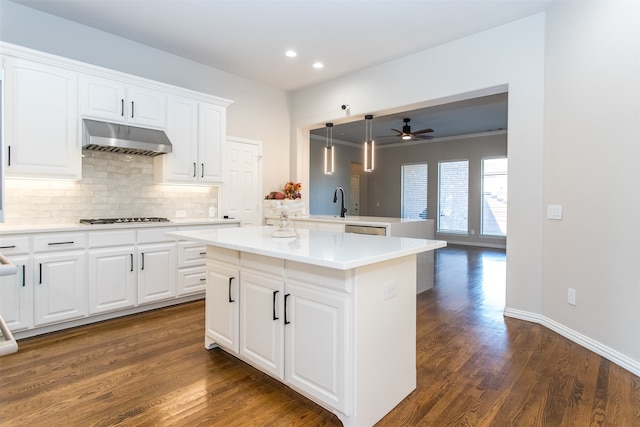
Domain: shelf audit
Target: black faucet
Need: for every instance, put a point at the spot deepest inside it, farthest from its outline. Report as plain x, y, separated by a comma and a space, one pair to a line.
343, 210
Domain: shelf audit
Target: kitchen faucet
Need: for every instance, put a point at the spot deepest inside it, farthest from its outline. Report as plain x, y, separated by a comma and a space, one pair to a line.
343, 210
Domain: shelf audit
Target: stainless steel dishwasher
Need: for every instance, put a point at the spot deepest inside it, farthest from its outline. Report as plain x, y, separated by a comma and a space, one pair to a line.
365, 229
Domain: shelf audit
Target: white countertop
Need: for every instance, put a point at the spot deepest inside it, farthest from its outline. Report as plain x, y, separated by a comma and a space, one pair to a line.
355, 220
46, 228
342, 251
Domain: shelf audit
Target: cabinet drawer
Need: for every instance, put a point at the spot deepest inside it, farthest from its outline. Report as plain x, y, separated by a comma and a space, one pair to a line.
192, 280
191, 254
101, 239
58, 242
155, 235
14, 244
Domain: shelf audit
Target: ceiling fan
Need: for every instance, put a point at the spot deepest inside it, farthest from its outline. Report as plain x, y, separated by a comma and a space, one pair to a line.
407, 135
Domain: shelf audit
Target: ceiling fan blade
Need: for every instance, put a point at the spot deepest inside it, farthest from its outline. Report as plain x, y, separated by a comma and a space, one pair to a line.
422, 137
399, 132
422, 131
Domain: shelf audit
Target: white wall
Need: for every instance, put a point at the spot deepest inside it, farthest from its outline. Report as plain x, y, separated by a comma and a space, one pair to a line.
510, 56
591, 155
259, 112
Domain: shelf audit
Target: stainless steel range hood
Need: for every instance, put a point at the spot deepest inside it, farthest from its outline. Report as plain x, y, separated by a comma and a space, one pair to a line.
116, 138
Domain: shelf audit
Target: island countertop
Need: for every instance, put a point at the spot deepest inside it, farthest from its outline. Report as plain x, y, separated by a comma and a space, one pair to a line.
342, 251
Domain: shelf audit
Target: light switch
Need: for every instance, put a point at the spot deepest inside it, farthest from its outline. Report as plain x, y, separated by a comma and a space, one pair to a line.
554, 211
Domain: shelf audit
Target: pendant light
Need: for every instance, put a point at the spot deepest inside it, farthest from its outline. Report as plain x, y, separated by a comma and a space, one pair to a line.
369, 144
329, 163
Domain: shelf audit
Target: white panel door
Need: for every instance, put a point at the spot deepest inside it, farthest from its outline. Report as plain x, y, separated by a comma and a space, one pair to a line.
222, 306
59, 287
261, 322
316, 344
240, 193
16, 295
112, 279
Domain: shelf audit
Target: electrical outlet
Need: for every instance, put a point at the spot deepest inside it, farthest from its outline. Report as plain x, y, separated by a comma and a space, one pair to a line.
554, 211
212, 212
181, 213
389, 291
571, 296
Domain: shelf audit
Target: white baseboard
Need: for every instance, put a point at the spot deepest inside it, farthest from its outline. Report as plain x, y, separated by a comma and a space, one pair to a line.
608, 353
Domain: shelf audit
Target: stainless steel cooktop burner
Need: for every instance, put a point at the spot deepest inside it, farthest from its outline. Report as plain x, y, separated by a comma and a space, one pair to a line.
123, 220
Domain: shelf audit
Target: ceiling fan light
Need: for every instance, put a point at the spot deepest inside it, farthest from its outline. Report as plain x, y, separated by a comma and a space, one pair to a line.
406, 137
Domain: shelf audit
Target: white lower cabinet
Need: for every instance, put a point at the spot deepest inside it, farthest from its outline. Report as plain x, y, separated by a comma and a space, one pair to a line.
222, 306
59, 290
16, 294
156, 272
291, 330
112, 279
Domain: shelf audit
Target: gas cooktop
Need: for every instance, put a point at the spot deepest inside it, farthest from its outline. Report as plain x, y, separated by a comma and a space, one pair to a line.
123, 220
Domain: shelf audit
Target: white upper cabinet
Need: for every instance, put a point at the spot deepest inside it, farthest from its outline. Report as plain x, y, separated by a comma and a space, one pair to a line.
41, 121
196, 131
118, 102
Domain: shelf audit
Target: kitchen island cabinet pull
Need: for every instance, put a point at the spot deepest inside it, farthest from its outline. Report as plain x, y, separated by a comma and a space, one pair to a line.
8, 247
8, 155
40, 275
286, 296
275, 293
132, 109
142, 261
24, 281
230, 299
131, 262
60, 243
194, 169
202, 176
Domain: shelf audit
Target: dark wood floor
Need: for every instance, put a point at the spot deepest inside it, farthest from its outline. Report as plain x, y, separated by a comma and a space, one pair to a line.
475, 367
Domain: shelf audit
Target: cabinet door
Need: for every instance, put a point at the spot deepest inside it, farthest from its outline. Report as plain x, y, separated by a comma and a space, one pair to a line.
41, 121
212, 131
103, 99
157, 272
16, 295
316, 344
147, 107
59, 287
182, 129
112, 279
261, 322
223, 306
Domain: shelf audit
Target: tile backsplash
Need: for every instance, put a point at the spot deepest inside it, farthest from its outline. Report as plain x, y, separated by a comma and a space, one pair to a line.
112, 185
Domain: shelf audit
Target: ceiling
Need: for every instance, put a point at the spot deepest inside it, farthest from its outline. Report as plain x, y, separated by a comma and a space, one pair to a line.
472, 116
249, 37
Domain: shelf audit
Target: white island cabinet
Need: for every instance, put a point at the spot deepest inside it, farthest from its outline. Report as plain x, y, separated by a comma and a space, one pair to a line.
330, 314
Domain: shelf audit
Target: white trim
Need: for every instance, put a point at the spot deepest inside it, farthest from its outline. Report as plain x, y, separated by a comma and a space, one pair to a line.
608, 353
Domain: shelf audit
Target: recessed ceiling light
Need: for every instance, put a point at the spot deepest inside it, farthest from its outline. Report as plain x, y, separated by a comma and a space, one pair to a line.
291, 53
318, 65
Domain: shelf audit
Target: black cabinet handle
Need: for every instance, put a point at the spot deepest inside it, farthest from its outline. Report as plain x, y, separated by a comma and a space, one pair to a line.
203, 253
230, 280
40, 278
60, 243
203, 279
286, 296
194, 169
8, 247
131, 262
122, 107
142, 261
202, 176
24, 281
275, 293
132, 109
8, 155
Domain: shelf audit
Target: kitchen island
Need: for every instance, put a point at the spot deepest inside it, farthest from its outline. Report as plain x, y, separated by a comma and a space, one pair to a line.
330, 314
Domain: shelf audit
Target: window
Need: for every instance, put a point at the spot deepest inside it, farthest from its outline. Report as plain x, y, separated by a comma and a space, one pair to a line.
453, 196
414, 190
494, 197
